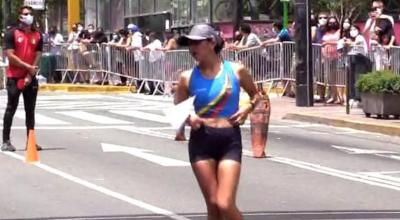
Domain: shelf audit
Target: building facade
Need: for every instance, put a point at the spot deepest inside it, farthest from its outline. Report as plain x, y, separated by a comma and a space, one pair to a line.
175, 14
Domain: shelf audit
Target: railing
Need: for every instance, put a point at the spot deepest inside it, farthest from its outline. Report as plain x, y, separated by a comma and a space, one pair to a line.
276, 62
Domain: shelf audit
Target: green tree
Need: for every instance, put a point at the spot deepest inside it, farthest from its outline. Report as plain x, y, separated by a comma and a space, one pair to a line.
343, 8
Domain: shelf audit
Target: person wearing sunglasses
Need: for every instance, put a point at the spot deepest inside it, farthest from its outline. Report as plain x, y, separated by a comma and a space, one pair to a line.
376, 12
23, 47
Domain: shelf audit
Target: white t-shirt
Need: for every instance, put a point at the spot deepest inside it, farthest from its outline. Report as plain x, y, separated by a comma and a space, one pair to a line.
155, 54
137, 42
251, 40
73, 40
361, 45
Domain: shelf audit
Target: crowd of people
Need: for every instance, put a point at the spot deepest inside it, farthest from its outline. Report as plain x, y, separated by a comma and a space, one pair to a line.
333, 35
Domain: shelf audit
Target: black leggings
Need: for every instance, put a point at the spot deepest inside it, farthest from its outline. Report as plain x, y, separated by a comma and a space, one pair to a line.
29, 94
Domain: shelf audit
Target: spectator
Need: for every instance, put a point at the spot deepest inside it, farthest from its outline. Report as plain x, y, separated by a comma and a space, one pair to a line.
357, 41
99, 37
282, 34
136, 45
248, 40
114, 38
314, 27
376, 12
345, 31
170, 42
73, 37
321, 29
55, 40
121, 52
155, 56
329, 51
384, 32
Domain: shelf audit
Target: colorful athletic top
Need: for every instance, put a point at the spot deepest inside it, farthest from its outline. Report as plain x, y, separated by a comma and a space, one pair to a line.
217, 97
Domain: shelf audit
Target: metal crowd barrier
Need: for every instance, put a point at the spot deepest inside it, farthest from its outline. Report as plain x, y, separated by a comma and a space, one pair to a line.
395, 59
272, 63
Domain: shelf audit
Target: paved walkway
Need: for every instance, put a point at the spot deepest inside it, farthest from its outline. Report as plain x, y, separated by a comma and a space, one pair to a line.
335, 115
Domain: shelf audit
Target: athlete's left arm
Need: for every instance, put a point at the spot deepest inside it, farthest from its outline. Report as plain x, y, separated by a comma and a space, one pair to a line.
247, 83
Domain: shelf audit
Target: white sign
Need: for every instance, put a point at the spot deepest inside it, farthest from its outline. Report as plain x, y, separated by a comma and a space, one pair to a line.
177, 114
35, 4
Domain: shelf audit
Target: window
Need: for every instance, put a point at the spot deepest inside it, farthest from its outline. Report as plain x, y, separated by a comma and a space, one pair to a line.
181, 11
224, 10
146, 6
90, 12
131, 7
163, 5
202, 9
103, 12
117, 12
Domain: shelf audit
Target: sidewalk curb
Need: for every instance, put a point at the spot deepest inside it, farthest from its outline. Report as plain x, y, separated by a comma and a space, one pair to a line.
85, 88
363, 126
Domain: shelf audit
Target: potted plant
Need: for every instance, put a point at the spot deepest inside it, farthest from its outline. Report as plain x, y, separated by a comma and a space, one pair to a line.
380, 93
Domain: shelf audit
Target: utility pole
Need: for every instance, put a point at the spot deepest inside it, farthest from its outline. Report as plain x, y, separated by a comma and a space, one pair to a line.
73, 12
304, 74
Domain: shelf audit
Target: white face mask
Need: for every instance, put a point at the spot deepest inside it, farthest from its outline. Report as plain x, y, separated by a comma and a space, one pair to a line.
322, 21
346, 26
115, 37
354, 33
90, 30
26, 19
80, 28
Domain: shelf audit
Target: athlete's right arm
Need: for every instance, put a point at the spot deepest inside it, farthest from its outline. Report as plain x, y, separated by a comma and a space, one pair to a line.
10, 53
182, 90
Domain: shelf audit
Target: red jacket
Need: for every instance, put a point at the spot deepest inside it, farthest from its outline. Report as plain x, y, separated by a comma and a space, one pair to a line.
25, 46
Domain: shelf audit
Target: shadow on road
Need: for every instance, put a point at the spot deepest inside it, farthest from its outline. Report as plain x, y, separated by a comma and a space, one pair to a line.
298, 215
47, 149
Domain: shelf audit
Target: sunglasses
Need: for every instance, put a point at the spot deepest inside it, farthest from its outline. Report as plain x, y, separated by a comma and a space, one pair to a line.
374, 8
322, 17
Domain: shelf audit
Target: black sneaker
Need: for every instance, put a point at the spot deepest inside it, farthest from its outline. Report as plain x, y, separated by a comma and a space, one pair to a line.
7, 146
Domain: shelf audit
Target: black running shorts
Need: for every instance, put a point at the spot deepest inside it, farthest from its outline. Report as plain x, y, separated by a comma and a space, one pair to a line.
215, 143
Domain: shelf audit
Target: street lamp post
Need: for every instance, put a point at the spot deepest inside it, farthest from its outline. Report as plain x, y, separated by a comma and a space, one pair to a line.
239, 15
285, 13
304, 75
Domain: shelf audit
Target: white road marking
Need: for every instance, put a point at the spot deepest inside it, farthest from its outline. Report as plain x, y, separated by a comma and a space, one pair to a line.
93, 117
145, 154
42, 119
339, 173
393, 157
103, 190
141, 115
353, 150
145, 132
382, 176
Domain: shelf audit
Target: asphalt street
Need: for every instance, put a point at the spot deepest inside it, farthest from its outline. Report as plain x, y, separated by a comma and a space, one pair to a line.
114, 157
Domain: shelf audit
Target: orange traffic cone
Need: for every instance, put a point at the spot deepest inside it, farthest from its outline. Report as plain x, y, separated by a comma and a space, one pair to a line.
32, 155
259, 123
